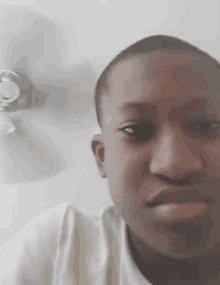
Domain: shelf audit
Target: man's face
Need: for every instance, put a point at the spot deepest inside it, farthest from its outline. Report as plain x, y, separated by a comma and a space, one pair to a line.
161, 132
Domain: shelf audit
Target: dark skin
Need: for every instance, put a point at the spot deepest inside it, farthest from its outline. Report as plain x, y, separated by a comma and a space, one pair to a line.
170, 135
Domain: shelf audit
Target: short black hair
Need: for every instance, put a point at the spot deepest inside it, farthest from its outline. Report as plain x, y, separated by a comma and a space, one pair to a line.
146, 45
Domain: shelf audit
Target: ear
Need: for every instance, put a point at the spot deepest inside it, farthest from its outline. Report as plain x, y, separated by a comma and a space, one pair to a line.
98, 149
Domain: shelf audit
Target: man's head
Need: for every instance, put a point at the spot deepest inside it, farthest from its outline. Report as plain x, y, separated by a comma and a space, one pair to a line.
161, 133
144, 46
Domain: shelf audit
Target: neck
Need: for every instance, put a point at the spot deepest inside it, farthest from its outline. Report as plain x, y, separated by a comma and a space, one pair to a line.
160, 269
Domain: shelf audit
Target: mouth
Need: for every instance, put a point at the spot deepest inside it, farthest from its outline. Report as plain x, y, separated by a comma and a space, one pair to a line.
179, 196
180, 206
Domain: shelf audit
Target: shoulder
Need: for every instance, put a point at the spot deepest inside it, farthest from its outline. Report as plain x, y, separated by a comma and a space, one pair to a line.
34, 247
32, 255
44, 226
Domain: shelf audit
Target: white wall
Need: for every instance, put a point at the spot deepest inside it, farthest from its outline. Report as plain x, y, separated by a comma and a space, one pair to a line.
62, 46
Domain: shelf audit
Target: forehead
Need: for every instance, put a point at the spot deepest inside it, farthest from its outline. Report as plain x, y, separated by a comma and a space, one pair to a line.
153, 78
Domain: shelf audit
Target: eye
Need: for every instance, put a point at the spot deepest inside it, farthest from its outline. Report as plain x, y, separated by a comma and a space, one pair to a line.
139, 132
207, 128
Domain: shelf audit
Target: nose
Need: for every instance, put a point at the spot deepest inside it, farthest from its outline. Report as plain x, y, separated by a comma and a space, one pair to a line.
173, 157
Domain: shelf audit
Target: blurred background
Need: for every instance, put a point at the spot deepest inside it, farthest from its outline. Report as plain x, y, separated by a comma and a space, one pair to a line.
59, 48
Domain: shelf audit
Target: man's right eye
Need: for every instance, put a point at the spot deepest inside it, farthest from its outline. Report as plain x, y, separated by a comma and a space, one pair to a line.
139, 132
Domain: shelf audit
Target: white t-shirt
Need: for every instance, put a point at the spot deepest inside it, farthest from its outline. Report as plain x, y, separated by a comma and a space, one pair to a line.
63, 246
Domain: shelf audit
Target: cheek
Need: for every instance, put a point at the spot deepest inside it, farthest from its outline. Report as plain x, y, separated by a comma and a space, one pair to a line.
126, 171
123, 164
211, 156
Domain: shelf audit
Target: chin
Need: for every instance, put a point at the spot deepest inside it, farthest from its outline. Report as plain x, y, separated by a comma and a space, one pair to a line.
183, 241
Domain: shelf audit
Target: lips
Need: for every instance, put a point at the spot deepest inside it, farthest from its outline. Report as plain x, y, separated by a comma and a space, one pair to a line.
179, 195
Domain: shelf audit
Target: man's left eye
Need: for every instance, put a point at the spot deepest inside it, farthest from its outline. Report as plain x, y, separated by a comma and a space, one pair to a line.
203, 127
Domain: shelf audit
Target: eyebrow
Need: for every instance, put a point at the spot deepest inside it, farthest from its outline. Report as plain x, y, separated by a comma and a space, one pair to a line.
144, 106
136, 105
133, 105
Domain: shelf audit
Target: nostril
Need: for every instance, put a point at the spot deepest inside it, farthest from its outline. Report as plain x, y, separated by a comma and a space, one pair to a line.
185, 181
152, 204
